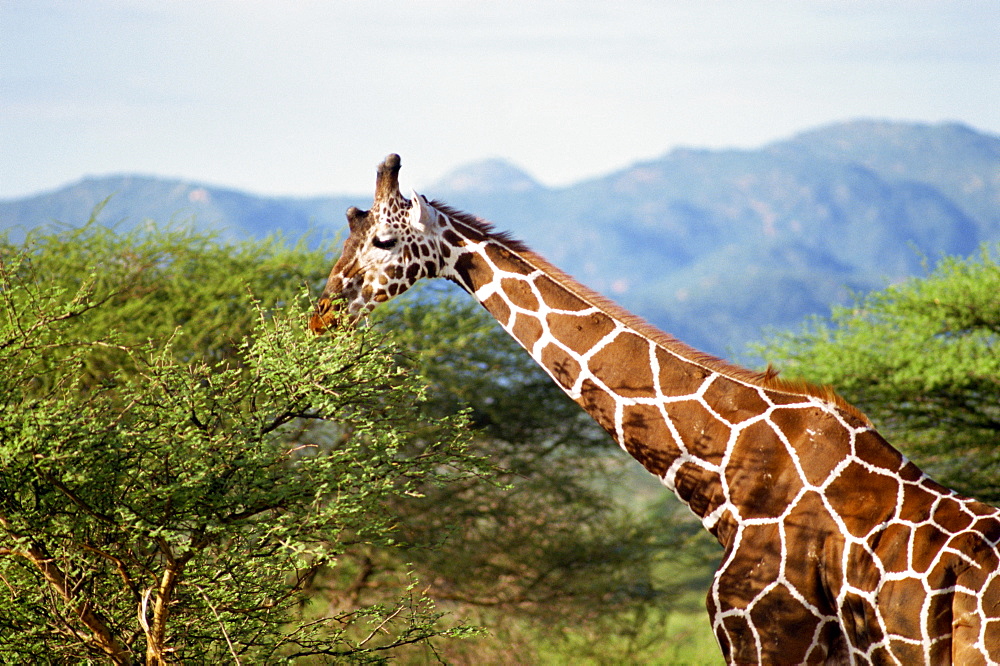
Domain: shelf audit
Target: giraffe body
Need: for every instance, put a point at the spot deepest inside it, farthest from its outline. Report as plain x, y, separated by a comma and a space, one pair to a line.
837, 548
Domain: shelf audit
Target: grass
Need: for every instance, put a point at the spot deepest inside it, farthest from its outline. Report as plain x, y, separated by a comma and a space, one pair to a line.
679, 637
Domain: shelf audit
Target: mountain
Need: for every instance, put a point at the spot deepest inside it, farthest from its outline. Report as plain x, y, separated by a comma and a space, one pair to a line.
487, 177
763, 236
132, 200
711, 245
953, 158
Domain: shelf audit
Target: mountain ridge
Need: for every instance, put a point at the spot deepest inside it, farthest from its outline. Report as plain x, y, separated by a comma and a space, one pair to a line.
711, 245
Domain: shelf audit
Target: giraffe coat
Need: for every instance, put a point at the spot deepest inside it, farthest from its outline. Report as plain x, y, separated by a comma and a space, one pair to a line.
837, 548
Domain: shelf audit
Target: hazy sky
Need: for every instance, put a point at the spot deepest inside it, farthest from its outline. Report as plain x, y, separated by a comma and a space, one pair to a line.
300, 97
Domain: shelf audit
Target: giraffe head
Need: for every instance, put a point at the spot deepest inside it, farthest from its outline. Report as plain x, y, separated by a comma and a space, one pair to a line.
388, 249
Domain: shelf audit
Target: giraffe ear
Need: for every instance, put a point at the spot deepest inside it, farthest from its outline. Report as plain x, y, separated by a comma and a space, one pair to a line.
355, 217
421, 213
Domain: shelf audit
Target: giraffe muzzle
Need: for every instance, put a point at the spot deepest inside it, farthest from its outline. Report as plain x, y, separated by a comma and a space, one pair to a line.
325, 316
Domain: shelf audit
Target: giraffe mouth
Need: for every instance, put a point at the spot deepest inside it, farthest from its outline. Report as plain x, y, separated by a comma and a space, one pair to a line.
326, 315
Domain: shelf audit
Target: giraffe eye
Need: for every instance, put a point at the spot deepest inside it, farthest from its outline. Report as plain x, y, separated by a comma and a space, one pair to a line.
386, 244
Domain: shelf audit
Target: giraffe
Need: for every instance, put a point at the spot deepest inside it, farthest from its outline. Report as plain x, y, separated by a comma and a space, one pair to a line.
837, 549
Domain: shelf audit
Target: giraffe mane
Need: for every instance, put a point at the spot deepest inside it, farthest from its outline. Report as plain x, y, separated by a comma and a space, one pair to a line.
768, 379
483, 227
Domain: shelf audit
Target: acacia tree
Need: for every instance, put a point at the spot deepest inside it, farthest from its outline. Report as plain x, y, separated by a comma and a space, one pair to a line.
161, 505
922, 358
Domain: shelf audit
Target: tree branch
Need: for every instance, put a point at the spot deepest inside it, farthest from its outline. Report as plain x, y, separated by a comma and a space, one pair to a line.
156, 651
101, 635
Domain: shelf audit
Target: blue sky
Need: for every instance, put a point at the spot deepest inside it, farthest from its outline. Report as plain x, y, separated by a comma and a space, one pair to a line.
305, 97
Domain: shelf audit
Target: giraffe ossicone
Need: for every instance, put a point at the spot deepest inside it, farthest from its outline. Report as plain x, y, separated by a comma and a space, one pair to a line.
837, 548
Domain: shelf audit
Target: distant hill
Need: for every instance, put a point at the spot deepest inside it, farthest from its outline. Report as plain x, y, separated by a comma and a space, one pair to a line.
133, 200
488, 177
711, 245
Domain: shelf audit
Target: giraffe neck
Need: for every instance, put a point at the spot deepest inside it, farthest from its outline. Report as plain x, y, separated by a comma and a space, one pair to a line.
673, 409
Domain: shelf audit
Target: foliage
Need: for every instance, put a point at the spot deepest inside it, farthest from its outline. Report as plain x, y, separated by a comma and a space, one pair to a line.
922, 358
158, 280
169, 498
